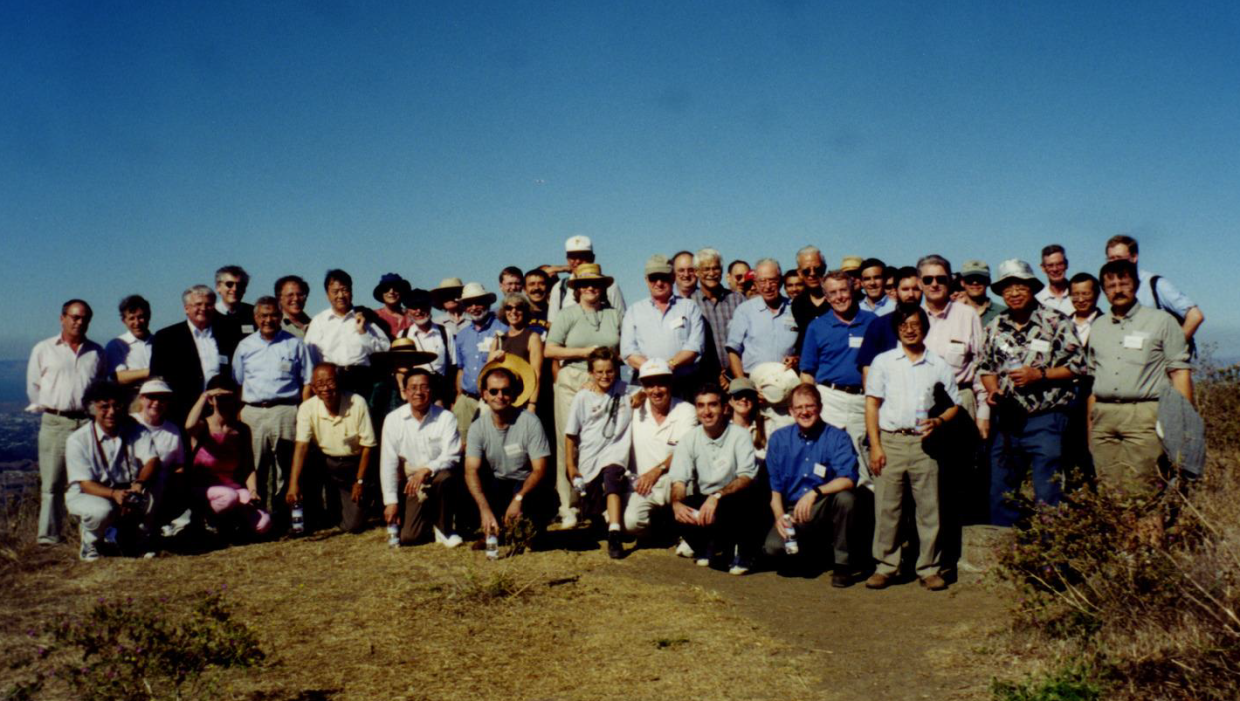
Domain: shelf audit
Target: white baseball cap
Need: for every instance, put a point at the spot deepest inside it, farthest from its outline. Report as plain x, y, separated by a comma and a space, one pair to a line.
654, 367
156, 386
578, 244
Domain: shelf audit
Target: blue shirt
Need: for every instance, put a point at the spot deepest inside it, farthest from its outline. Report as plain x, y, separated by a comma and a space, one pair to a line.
1172, 300
758, 336
272, 370
799, 462
654, 334
831, 345
879, 338
473, 344
884, 307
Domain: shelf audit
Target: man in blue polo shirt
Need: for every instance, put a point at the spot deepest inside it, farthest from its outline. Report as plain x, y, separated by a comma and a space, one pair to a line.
763, 329
813, 470
829, 359
473, 344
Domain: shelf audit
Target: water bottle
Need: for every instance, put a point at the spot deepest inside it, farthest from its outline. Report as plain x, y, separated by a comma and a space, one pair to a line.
393, 535
923, 410
790, 542
579, 484
298, 520
492, 547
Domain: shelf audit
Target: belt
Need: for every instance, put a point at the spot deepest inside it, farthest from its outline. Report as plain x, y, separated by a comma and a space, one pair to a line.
846, 389
471, 395
291, 401
904, 432
75, 415
964, 385
1116, 400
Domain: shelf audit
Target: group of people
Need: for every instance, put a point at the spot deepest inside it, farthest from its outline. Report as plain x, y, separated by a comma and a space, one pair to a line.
813, 418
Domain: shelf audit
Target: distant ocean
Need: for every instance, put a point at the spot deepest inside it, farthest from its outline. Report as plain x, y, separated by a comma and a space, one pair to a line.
12, 384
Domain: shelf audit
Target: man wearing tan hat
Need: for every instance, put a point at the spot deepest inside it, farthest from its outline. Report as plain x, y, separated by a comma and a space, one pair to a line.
447, 297
577, 249
473, 345
659, 422
168, 487
975, 279
664, 326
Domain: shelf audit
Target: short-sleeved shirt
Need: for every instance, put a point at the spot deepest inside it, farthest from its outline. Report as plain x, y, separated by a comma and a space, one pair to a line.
602, 424
1130, 356
508, 452
652, 333
831, 345
473, 345
885, 305
805, 311
92, 455
1170, 298
577, 328
718, 315
560, 299
340, 436
1062, 304
906, 385
1048, 341
166, 439
274, 370
799, 461
759, 335
706, 465
653, 441
128, 352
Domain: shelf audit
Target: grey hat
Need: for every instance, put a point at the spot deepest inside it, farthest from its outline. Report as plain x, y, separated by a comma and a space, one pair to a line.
658, 264
975, 267
742, 384
1013, 270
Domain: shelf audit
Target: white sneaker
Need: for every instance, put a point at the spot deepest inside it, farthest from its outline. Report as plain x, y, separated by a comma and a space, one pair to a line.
149, 555
88, 553
448, 541
683, 549
568, 520
702, 562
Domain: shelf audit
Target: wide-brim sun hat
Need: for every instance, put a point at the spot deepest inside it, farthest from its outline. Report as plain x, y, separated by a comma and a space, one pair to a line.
474, 292
774, 381
589, 272
448, 288
405, 351
517, 366
1016, 270
392, 280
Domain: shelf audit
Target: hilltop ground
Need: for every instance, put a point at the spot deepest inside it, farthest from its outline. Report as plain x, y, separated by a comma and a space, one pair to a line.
343, 616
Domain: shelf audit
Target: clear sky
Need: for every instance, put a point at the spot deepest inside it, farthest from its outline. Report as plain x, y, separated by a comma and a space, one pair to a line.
146, 144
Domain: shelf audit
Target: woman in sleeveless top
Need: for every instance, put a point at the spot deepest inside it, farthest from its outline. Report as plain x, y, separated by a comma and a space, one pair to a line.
520, 340
222, 455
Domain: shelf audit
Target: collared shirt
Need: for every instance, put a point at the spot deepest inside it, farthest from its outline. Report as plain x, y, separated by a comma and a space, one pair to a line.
1047, 341
989, 311
473, 345
907, 387
334, 339
560, 298
1172, 300
209, 357
271, 370
577, 328
453, 326
339, 436
396, 323
509, 452
167, 441
433, 443
127, 352
601, 423
760, 335
805, 311
653, 442
799, 462
1061, 303
92, 455
880, 337
718, 315
831, 345
956, 336
662, 334
57, 376
289, 325
1130, 356
1083, 327
706, 465
884, 307
435, 339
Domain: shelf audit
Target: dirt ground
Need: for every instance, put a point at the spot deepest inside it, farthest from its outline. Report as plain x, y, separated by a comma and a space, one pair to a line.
344, 617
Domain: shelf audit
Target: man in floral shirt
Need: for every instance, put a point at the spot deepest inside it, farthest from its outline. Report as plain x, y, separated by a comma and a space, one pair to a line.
1029, 360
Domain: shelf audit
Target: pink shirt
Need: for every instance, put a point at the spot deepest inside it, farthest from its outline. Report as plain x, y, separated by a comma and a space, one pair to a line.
956, 336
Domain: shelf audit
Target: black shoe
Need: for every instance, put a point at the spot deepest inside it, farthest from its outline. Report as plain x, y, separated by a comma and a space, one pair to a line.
615, 548
841, 580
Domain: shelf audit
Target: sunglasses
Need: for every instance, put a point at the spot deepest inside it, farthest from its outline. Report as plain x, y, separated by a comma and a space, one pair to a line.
935, 279
815, 271
660, 278
513, 308
975, 280
233, 283
497, 391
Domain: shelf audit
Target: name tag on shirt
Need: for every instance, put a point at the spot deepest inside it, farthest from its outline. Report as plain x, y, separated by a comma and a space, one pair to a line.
679, 322
514, 450
1134, 342
432, 446
1039, 345
286, 366
247, 328
820, 470
855, 341
791, 324
484, 345
223, 360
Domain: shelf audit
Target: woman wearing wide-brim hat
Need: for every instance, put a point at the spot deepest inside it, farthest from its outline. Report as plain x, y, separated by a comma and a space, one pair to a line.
390, 292
575, 333
520, 340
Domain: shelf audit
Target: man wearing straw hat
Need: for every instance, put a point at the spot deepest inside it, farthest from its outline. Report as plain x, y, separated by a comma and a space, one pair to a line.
577, 249
473, 345
447, 298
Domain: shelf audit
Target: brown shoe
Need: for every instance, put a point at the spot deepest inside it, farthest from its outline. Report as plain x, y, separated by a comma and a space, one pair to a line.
934, 582
878, 581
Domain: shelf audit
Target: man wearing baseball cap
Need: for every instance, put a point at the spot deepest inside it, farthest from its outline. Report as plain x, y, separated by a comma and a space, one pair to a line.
168, 486
659, 422
975, 278
577, 249
664, 326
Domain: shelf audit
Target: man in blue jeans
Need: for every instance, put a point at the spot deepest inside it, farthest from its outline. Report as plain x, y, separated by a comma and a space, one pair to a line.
1029, 361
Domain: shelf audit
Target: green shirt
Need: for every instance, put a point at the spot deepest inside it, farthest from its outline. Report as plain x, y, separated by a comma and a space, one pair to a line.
1130, 356
576, 328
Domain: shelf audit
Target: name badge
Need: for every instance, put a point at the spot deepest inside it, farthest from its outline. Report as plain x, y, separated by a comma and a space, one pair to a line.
286, 366
820, 470
484, 346
514, 450
223, 360
247, 328
1039, 345
678, 323
432, 446
1134, 342
855, 341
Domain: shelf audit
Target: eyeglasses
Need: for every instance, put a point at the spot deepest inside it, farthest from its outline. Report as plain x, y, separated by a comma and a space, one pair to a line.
814, 271
497, 391
935, 279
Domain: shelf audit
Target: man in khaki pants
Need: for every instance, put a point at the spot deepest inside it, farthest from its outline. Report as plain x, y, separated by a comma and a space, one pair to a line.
1132, 353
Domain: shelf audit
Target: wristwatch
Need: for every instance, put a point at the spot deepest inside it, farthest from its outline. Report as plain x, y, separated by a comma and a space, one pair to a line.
361, 481
519, 497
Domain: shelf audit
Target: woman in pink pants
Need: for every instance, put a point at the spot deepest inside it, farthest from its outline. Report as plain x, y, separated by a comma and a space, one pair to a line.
222, 453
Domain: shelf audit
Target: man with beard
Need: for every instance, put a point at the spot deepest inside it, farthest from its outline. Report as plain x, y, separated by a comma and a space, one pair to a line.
473, 345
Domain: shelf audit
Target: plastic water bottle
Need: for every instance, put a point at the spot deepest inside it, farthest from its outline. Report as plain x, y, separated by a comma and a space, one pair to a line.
922, 412
393, 535
579, 484
790, 542
492, 547
298, 520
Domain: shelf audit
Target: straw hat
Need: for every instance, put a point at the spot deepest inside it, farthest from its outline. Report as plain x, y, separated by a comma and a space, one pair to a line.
591, 272
475, 292
449, 288
517, 366
404, 350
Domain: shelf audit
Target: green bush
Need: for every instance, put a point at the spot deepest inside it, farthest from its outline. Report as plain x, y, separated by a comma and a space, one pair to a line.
1069, 684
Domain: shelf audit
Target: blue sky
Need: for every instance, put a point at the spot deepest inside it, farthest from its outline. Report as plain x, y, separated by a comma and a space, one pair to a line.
146, 144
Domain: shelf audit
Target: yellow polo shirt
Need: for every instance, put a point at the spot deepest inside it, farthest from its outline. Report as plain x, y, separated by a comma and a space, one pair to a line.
338, 436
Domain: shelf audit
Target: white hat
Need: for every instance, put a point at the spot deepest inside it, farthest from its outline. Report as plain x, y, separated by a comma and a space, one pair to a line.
774, 381
1016, 269
475, 291
155, 386
578, 244
654, 367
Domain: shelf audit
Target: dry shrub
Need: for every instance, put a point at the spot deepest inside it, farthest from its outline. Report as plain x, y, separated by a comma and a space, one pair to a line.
1144, 592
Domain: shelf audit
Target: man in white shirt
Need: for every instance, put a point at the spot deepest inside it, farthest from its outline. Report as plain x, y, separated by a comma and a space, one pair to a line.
340, 335
109, 461
169, 486
60, 370
420, 450
129, 355
1056, 294
577, 250
659, 422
